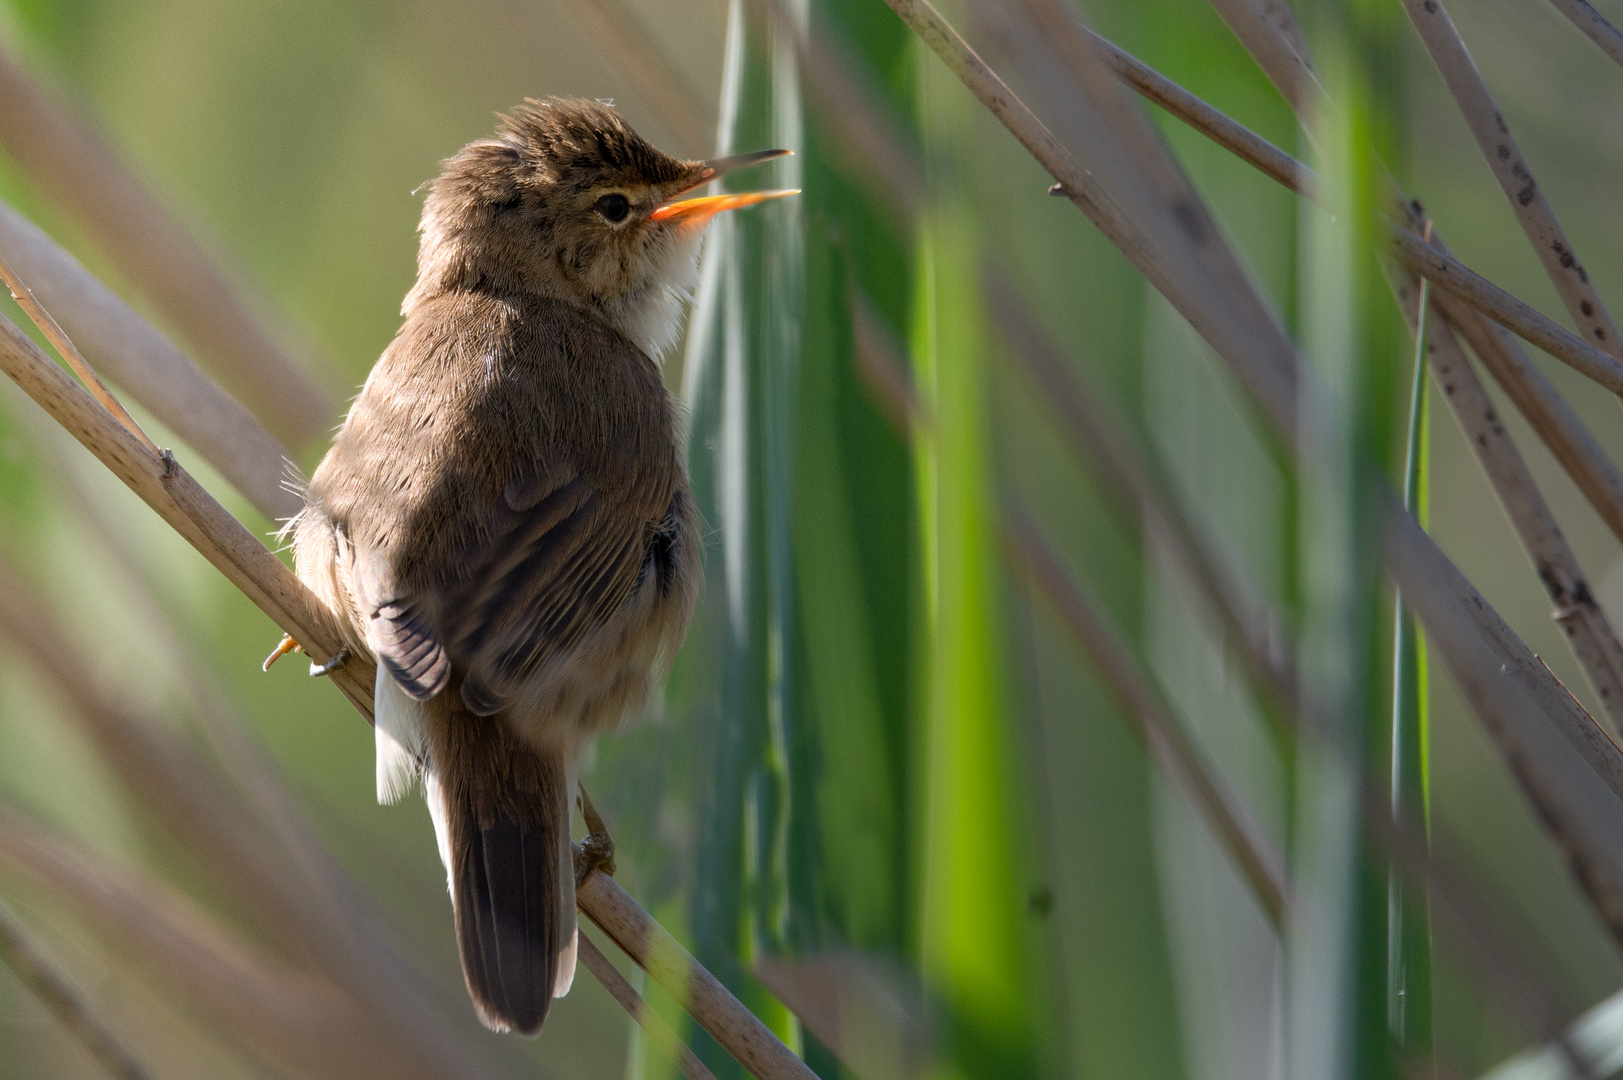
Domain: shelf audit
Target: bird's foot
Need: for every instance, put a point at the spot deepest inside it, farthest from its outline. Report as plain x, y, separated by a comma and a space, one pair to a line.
283, 647
596, 851
334, 662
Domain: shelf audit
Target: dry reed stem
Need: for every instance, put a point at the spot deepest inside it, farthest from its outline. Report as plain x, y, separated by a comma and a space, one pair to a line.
72, 164
1163, 735
1127, 473
1499, 149
155, 373
1263, 365
1204, 118
1560, 428
1453, 277
303, 1023
1137, 494
1488, 650
190, 510
673, 967
634, 53
658, 1031
1588, 633
252, 568
1594, 26
65, 348
1269, 32
56, 992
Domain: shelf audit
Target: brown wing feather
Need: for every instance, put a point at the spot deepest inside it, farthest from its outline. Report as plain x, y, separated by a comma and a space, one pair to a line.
498, 530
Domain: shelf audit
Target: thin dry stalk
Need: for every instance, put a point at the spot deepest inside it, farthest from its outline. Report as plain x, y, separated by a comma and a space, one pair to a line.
65, 348
1209, 121
1560, 428
634, 53
156, 374
1588, 632
1489, 651
1264, 364
652, 1024
254, 570
1168, 744
302, 1023
1127, 474
1499, 149
674, 968
56, 992
190, 510
1138, 495
1594, 26
1453, 277
72, 164
1269, 32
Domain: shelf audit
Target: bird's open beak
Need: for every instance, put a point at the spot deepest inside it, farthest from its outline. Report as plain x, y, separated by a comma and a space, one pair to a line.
708, 206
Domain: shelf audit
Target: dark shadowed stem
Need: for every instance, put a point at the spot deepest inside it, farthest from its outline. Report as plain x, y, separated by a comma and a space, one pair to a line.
635, 54
1499, 150
53, 989
1594, 26
658, 1031
1162, 734
70, 162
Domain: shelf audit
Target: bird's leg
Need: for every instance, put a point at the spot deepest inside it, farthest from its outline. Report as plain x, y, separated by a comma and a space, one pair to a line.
283, 647
596, 851
334, 662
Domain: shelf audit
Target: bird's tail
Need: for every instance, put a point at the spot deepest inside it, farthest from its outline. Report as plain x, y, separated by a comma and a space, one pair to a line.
501, 812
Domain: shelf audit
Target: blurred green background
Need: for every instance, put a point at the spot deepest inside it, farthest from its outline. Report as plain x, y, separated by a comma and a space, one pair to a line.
877, 740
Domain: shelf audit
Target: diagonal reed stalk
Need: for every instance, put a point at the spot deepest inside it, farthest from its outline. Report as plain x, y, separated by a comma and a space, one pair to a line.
264, 579
1499, 149
70, 161
1479, 648
152, 371
1594, 26
657, 1030
36, 971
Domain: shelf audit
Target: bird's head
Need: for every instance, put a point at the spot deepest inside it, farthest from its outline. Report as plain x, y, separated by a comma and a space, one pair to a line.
567, 202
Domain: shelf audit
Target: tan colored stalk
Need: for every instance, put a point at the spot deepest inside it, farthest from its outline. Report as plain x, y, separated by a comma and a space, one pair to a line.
36, 971
685, 979
1588, 632
151, 370
190, 510
1126, 472
652, 1024
622, 38
253, 569
1271, 35
1560, 428
302, 1023
64, 346
1448, 274
1499, 149
1165, 740
72, 164
1479, 644
1594, 26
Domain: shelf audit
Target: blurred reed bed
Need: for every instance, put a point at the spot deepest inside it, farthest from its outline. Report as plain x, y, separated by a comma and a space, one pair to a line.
1051, 710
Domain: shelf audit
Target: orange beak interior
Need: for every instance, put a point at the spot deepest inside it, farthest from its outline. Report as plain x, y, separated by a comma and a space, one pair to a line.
705, 207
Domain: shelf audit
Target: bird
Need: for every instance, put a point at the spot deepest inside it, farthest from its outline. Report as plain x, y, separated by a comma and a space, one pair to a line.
504, 519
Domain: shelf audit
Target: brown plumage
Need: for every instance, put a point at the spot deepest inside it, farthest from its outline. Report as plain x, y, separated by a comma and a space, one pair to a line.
504, 518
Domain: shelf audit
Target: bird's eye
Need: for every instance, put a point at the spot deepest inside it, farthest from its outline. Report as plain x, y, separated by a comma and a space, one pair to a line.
614, 208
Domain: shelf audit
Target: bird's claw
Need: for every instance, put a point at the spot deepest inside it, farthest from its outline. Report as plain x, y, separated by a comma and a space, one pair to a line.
283, 647
596, 850
334, 662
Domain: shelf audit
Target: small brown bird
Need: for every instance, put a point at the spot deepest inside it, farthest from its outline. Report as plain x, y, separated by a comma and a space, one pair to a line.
504, 518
